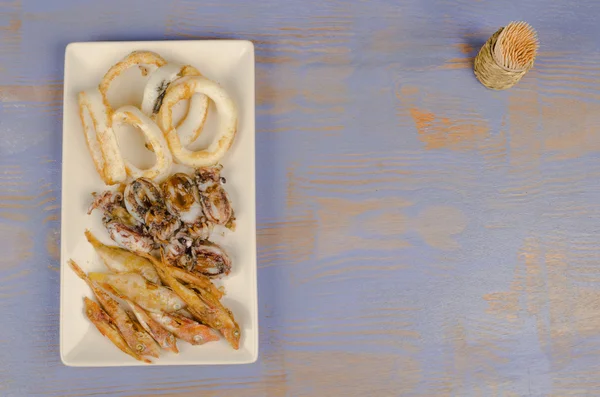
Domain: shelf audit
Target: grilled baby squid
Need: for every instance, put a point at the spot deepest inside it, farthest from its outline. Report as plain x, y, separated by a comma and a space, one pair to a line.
181, 197
210, 259
144, 201
141, 195
122, 227
213, 197
198, 256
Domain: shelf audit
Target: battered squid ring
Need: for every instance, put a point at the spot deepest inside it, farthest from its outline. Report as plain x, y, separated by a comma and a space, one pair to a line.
160, 80
101, 140
133, 116
227, 121
140, 58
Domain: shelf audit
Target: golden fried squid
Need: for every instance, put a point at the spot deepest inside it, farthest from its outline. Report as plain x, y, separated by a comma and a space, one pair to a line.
228, 119
164, 160
100, 137
162, 78
143, 59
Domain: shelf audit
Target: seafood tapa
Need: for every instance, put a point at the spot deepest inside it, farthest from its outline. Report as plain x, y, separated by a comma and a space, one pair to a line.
105, 325
119, 260
161, 335
132, 332
185, 328
221, 320
150, 296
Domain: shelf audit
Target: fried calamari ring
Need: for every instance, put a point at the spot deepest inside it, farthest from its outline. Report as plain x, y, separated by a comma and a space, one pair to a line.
227, 121
133, 116
160, 80
140, 58
101, 140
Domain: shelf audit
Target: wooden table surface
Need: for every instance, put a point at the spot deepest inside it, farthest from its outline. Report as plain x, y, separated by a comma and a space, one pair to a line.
419, 235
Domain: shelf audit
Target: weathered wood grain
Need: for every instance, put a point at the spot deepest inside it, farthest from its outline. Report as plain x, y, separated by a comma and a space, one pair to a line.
418, 234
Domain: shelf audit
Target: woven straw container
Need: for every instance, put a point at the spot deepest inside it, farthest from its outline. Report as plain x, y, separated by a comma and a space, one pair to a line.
493, 72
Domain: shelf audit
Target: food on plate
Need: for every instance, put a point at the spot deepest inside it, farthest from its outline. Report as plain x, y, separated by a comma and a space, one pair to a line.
228, 118
182, 198
146, 303
122, 227
139, 196
161, 335
144, 201
164, 160
185, 328
107, 327
201, 257
158, 82
119, 260
168, 84
214, 198
143, 59
150, 296
214, 316
158, 313
191, 126
133, 333
178, 216
129, 237
101, 140
196, 282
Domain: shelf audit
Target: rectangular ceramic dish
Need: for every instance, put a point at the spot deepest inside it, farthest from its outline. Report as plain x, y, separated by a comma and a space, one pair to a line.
231, 64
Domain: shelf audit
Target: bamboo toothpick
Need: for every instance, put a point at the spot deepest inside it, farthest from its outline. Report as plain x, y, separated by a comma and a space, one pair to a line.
517, 46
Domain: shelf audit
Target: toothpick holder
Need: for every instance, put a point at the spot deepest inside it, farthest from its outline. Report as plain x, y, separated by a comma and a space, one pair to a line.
492, 74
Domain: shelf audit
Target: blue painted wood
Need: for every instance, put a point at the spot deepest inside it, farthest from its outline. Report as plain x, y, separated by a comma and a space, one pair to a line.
419, 235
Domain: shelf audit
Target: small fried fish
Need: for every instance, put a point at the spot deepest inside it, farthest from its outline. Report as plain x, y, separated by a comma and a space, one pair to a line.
119, 260
185, 328
196, 281
218, 319
165, 339
152, 297
135, 336
102, 321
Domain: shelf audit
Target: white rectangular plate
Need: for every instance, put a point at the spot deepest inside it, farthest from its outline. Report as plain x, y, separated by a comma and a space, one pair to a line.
231, 64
